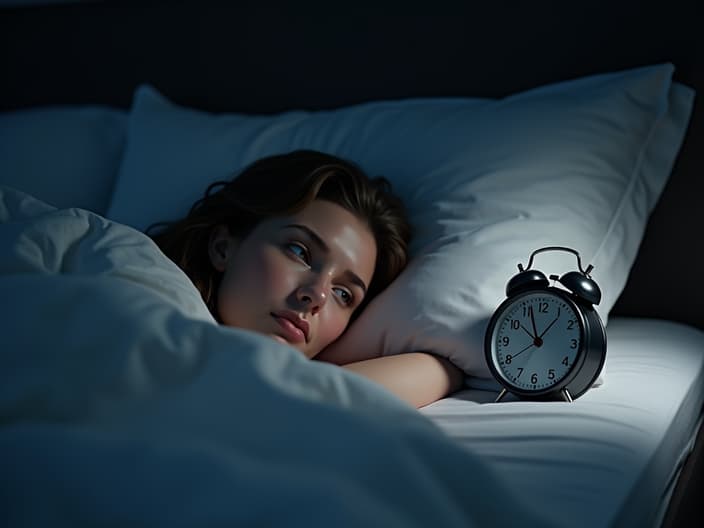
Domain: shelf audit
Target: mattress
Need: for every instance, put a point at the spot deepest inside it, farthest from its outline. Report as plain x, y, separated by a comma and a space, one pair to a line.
610, 458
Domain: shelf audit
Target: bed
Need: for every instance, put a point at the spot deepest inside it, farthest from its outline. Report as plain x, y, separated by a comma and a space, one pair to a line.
121, 400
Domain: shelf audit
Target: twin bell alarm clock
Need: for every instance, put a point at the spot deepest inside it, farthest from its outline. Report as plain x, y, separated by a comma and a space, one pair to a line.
547, 342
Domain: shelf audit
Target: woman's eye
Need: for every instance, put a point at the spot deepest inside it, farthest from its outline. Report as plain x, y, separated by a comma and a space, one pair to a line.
344, 295
299, 251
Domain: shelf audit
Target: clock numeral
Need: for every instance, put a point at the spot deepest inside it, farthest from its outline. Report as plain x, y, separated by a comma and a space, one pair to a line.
534, 378
551, 374
520, 371
565, 362
508, 359
570, 324
543, 307
515, 324
505, 341
573, 343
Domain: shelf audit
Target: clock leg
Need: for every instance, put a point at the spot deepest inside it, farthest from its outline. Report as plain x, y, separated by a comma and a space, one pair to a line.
501, 395
566, 395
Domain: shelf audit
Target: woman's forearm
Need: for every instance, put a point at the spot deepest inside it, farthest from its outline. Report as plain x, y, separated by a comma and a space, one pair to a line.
417, 377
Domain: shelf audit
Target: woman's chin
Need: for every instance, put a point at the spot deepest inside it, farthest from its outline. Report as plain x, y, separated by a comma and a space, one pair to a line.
281, 340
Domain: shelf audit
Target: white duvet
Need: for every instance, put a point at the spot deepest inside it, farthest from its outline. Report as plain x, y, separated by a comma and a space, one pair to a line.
123, 403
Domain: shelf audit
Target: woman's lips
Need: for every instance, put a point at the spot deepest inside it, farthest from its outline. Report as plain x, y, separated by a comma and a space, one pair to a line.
292, 333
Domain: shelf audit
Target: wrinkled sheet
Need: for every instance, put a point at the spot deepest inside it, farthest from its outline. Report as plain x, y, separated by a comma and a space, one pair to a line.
122, 402
610, 458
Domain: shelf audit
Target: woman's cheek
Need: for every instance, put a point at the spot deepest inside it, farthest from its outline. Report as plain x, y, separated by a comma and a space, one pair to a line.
333, 327
269, 270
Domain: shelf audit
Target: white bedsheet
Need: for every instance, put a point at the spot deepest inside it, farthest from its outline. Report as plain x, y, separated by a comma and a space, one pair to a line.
123, 403
609, 458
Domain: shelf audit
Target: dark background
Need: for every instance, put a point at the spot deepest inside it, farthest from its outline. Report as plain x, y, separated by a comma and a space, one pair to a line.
265, 57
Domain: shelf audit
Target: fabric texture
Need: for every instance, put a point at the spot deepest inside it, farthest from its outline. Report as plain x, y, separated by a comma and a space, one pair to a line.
123, 402
67, 156
579, 163
611, 457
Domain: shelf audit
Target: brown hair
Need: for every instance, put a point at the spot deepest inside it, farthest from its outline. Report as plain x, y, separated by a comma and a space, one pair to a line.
278, 186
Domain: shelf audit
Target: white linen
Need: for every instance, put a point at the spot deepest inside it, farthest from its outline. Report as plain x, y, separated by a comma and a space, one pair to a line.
578, 163
610, 457
66, 155
122, 402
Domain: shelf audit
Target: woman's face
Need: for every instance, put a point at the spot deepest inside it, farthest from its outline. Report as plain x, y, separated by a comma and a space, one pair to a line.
296, 278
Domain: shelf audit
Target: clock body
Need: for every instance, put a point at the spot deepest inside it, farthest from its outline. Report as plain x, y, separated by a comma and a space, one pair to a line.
542, 342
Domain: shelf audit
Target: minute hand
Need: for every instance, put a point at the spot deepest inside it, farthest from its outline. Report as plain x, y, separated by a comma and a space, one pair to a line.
532, 320
550, 325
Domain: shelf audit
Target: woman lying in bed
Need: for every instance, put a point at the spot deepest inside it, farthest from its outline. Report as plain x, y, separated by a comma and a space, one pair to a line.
295, 247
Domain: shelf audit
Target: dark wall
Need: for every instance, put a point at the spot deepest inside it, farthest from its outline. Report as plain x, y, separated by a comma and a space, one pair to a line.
276, 55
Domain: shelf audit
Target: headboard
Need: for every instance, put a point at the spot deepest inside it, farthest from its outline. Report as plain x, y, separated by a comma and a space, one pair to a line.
269, 56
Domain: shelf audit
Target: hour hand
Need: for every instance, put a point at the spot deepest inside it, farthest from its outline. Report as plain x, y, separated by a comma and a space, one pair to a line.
528, 332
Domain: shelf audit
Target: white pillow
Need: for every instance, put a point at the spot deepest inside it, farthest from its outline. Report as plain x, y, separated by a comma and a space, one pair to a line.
67, 156
578, 163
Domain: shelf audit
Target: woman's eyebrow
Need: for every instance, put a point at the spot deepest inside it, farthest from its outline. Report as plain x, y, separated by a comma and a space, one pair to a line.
315, 237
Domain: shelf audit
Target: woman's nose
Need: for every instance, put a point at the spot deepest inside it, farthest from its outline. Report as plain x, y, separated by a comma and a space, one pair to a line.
312, 296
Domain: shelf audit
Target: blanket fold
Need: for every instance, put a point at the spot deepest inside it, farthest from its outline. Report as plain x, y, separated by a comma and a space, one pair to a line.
122, 402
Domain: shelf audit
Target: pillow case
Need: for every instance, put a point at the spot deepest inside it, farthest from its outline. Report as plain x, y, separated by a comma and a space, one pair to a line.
65, 155
579, 163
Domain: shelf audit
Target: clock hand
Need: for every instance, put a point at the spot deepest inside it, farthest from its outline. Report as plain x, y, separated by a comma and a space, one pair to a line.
532, 320
521, 352
550, 325
528, 332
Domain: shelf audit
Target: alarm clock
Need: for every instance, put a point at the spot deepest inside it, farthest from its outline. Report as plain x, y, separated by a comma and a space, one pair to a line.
546, 342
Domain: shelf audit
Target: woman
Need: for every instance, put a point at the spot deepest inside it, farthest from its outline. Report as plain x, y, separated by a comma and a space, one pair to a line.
294, 248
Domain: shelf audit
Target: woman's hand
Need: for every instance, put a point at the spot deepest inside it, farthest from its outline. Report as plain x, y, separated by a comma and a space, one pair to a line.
340, 356
418, 378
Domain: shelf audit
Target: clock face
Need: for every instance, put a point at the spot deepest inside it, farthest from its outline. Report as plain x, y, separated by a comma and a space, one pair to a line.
536, 340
